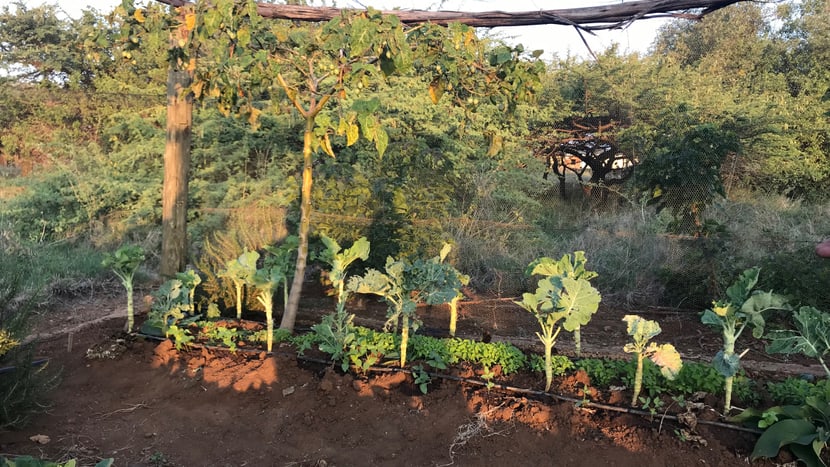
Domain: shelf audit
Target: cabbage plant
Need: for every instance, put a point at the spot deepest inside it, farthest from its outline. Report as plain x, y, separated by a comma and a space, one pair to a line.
404, 285
561, 300
665, 356
124, 263
743, 307
566, 267
241, 272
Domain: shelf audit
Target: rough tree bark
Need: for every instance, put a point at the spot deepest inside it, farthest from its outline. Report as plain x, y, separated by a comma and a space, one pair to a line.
612, 16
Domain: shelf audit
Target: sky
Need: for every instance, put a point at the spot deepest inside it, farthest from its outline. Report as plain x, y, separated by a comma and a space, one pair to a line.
553, 39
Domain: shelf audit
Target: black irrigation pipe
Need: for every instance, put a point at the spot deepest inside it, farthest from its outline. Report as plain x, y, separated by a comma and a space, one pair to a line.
35, 362
487, 384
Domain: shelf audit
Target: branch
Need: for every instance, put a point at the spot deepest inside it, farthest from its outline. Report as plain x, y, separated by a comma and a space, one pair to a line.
615, 16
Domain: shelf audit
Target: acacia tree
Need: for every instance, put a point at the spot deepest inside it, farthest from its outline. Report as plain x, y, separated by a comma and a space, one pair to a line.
248, 66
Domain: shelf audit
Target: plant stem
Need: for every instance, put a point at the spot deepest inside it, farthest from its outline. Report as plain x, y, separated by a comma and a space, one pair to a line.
239, 286
404, 338
453, 315
577, 341
638, 379
128, 284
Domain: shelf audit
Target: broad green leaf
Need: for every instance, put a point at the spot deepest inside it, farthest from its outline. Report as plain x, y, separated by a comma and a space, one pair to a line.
781, 434
726, 366
580, 301
709, 317
739, 291
381, 141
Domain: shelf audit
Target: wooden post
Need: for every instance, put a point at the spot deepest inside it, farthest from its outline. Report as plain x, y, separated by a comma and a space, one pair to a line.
176, 167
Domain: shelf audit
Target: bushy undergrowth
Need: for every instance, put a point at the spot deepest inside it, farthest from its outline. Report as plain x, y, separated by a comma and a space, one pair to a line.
23, 386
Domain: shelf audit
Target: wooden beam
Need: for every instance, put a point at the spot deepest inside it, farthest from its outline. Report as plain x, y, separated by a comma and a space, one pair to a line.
613, 16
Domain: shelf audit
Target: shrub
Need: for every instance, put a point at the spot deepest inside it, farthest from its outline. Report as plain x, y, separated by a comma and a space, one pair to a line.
23, 385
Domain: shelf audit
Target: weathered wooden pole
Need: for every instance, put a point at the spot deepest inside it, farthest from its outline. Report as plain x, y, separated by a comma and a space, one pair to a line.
174, 245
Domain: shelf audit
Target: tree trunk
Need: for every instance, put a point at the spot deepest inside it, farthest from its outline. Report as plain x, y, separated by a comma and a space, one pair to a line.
176, 167
290, 314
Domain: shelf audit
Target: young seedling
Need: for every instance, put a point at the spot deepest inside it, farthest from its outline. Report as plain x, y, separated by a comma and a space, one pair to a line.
559, 298
566, 267
743, 307
124, 263
241, 272
663, 355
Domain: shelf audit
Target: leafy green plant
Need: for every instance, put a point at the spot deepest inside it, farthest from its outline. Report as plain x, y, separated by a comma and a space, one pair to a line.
182, 337
282, 257
241, 272
124, 263
664, 355
422, 378
190, 280
336, 331
804, 429
743, 307
560, 297
811, 336
565, 267
266, 281
403, 286
795, 391
435, 278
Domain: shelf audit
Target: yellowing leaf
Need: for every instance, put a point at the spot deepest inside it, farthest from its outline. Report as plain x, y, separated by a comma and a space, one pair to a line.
352, 134
436, 90
197, 89
215, 92
254, 116
190, 21
327, 145
139, 16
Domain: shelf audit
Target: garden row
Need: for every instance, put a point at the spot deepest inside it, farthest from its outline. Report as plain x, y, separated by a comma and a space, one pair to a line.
564, 299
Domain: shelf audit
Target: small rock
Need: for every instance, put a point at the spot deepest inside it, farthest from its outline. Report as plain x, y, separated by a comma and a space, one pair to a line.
40, 439
288, 391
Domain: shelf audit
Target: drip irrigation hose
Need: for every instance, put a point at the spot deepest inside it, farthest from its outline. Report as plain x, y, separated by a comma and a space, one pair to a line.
478, 382
35, 362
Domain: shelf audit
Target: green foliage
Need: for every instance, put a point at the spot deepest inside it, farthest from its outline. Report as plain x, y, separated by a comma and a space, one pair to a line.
240, 271
124, 263
404, 285
664, 355
336, 331
795, 391
22, 390
743, 307
683, 174
811, 336
564, 294
801, 428
560, 364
